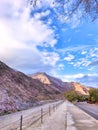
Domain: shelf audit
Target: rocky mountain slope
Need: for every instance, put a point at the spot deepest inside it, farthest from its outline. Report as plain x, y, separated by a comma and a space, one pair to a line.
50, 81
81, 89
18, 91
60, 85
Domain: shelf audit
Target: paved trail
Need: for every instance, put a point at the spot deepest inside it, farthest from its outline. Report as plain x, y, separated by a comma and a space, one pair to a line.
77, 119
57, 120
66, 117
12, 121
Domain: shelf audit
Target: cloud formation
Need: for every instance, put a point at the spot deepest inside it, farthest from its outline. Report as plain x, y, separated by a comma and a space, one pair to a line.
95, 63
21, 33
69, 57
90, 80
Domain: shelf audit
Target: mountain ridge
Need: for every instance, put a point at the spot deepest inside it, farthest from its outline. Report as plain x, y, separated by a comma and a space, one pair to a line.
60, 85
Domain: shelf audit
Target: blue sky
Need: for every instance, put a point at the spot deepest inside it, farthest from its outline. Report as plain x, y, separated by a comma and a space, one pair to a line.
39, 40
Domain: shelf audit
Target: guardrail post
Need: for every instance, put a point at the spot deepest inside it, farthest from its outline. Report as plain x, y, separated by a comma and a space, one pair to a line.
54, 107
21, 120
49, 110
41, 115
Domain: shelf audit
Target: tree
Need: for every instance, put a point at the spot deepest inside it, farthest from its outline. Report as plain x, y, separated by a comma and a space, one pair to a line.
69, 7
71, 95
93, 95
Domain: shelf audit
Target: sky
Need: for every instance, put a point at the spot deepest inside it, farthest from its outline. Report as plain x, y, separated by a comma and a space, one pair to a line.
38, 39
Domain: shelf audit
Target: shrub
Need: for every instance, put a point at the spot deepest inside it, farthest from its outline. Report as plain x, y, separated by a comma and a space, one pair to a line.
72, 95
93, 95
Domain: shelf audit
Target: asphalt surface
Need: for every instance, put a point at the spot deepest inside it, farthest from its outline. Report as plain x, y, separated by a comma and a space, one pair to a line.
90, 109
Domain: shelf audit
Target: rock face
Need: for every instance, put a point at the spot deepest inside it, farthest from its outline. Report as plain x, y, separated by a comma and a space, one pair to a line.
19, 91
50, 81
81, 89
43, 77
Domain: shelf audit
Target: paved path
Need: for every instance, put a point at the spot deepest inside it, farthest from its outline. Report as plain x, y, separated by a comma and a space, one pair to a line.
66, 117
57, 120
12, 121
79, 120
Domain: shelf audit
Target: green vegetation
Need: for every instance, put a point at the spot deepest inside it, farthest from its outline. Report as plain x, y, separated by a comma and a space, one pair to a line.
93, 95
72, 96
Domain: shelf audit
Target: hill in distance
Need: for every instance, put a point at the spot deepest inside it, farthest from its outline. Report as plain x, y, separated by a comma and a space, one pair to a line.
59, 84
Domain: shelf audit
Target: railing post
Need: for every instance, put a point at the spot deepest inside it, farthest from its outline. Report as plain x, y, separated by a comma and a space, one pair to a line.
49, 110
41, 115
54, 107
21, 119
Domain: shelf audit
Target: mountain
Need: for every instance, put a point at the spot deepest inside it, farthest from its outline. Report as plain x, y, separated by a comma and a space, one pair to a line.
19, 91
61, 86
50, 81
79, 88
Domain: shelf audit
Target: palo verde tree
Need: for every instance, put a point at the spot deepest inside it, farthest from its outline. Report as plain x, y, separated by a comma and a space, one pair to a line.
67, 8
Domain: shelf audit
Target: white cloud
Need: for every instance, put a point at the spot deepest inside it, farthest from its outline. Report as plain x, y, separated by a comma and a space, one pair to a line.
84, 52
20, 34
80, 56
42, 14
27, 29
50, 58
77, 48
85, 79
75, 21
82, 62
69, 57
60, 66
89, 80
72, 77
93, 52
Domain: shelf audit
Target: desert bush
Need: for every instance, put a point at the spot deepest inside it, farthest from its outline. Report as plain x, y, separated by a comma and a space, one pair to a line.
72, 96
93, 95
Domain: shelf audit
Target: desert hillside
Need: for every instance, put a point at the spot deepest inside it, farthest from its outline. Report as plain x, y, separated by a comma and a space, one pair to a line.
19, 91
81, 89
